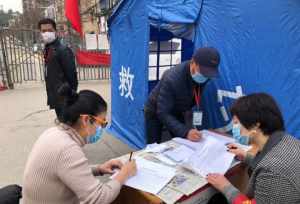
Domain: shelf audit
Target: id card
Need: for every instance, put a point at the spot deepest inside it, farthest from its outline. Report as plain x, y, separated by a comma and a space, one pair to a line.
197, 118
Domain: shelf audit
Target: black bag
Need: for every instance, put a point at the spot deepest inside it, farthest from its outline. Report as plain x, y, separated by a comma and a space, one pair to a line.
10, 194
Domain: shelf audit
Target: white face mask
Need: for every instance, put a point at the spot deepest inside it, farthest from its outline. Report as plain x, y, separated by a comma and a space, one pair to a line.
48, 37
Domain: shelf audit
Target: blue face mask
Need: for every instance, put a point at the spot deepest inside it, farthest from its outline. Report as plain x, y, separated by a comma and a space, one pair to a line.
199, 78
95, 137
236, 133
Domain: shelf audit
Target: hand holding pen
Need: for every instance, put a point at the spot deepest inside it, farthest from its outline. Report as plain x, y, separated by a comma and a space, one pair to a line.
234, 149
128, 170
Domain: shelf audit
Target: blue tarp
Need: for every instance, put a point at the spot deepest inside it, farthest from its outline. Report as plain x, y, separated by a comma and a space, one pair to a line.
175, 11
259, 44
129, 35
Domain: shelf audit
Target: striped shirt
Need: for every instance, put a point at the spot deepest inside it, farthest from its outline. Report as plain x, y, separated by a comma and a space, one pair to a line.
57, 172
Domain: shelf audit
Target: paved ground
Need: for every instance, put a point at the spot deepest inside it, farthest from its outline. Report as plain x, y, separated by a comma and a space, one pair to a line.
24, 116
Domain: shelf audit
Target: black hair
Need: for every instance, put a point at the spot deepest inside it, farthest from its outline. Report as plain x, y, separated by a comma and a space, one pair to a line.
86, 102
47, 21
259, 108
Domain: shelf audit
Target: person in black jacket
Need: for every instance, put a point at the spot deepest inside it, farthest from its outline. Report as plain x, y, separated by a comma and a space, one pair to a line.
59, 65
175, 102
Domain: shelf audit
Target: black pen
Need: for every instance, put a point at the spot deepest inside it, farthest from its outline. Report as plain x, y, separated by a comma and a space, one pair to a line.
234, 147
130, 156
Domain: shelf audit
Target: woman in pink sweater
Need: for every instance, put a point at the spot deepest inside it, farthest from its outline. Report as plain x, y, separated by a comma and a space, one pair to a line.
57, 171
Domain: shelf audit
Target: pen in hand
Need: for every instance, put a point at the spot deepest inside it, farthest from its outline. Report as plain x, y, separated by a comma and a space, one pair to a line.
230, 146
130, 156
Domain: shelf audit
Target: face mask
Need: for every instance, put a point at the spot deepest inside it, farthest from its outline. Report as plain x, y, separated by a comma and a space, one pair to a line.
199, 78
236, 133
95, 137
48, 37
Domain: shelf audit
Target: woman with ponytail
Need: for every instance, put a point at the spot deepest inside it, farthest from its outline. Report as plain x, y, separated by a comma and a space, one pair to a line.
57, 170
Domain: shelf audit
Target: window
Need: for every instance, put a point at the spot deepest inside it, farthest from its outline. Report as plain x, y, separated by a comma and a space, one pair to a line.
163, 55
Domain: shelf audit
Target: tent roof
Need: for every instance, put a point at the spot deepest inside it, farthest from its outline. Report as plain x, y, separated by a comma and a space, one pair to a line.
175, 16
167, 11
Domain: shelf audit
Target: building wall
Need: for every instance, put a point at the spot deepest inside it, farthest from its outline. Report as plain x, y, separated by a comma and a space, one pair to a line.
88, 20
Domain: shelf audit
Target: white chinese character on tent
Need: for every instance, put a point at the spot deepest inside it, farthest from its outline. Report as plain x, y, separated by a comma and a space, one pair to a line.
126, 81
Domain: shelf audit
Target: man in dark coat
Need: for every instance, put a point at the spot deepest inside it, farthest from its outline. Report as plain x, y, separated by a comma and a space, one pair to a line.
175, 102
60, 65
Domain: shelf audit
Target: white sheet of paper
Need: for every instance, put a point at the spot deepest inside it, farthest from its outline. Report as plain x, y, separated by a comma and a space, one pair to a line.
179, 154
221, 138
151, 177
91, 41
190, 144
207, 136
212, 158
156, 148
165, 159
211, 155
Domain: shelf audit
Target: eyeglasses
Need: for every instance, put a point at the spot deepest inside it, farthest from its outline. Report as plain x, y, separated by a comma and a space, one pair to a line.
99, 121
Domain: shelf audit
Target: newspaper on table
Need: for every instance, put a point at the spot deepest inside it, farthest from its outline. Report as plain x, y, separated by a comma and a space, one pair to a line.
169, 195
186, 182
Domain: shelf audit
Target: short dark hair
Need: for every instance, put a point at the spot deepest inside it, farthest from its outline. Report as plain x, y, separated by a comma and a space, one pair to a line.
86, 102
259, 108
47, 21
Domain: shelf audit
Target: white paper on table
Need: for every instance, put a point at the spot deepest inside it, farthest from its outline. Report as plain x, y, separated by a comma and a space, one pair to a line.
179, 154
190, 144
212, 158
165, 159
211, 155
156, 148
151, 177
226, 140
207, 136
221, 138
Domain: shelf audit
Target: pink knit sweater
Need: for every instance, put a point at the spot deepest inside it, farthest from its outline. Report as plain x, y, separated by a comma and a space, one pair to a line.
57, 172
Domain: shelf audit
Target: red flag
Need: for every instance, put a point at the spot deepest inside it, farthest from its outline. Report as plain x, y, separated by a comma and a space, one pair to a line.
72, 13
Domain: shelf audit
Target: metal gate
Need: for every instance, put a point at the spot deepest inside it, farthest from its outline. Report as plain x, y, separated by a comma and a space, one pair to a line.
21, 59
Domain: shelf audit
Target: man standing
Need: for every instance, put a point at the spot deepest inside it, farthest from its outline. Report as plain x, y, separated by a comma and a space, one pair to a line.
59, 65
175, 102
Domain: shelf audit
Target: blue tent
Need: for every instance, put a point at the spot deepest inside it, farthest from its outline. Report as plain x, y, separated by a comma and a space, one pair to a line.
259, 44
